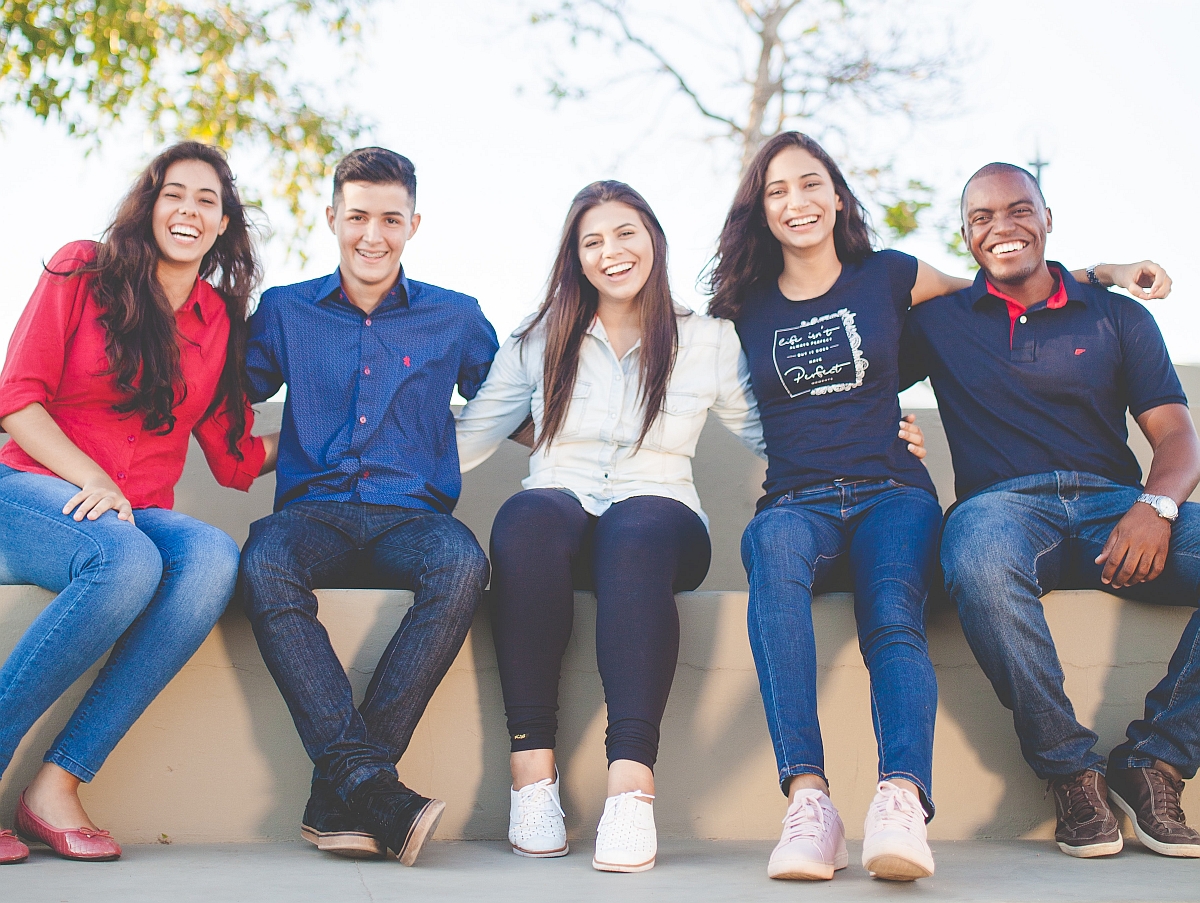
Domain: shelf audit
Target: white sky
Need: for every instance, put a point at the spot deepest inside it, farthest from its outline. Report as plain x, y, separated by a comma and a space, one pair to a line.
1108, 87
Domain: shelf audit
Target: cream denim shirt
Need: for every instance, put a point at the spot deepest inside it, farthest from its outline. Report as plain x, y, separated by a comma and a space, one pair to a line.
593, 456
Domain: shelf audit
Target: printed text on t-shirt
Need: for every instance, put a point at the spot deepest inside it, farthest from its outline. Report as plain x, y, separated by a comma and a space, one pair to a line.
820, 355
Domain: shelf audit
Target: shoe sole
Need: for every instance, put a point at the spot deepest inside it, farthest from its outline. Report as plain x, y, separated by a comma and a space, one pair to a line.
422, 829
1092, 850
351, 844
1181, 850
806, 870
621, 867
542, 854
890, 867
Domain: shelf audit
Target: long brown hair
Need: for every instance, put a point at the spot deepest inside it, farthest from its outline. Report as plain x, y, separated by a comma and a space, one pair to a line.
571, 304
748, 254
142, 344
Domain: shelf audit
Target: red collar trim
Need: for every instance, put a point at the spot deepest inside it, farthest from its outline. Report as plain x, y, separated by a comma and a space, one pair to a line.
1054, 302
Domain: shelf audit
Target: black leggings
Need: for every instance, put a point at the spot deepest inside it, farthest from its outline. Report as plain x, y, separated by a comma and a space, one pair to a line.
636, 556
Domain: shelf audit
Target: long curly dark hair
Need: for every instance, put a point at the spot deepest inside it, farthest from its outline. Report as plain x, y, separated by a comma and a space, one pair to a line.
748, 255
571, 304
142, 345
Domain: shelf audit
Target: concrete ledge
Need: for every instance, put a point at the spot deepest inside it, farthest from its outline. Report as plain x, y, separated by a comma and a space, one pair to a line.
216, 759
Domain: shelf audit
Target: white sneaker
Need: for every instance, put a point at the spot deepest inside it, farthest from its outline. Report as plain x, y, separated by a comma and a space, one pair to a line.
535, 821
813, 844
625, 838
895, 846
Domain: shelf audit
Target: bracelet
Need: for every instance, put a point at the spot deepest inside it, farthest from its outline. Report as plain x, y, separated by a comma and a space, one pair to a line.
1092, 277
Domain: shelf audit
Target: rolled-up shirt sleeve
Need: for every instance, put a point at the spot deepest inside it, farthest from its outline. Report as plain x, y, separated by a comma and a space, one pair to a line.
212, 433
37, 351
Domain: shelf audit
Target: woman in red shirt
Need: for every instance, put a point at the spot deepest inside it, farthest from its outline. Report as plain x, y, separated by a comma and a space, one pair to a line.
125, 349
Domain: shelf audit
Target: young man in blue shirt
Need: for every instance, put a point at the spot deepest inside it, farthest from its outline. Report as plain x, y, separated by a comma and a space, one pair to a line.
1034, 373
367, 479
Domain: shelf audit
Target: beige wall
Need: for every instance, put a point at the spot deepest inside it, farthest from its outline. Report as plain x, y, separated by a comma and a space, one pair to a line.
216, 757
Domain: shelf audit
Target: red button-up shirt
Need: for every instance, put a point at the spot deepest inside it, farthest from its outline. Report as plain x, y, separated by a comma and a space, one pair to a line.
57, 358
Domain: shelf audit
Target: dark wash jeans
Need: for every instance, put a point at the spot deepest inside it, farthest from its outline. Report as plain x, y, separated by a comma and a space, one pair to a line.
885, 534
318, 543
1008, 545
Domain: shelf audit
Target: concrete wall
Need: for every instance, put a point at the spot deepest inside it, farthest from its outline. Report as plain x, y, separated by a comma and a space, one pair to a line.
216, 758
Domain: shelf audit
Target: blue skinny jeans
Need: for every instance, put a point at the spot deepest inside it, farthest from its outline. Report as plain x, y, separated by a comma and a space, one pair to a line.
883, 535
151, 591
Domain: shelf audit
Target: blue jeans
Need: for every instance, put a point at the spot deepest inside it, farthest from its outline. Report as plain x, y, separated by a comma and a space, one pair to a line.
314, 544
1015, 541
152, 592
885, 535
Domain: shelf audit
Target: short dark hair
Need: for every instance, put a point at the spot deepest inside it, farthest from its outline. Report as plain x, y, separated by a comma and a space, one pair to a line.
994, 169
376, 165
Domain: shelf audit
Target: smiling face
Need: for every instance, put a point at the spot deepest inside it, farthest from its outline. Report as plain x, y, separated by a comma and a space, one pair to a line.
1005, 223
188, 216
616, 251
800, 201
372, 222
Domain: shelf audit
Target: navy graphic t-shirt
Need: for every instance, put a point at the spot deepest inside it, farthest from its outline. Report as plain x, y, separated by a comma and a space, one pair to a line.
826, 373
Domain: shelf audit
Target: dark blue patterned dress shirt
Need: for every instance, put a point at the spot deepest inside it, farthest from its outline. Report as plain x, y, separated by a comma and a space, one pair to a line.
367, 416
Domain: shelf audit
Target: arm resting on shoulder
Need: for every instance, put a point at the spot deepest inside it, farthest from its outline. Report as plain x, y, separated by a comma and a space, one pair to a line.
1136, 550
42, 439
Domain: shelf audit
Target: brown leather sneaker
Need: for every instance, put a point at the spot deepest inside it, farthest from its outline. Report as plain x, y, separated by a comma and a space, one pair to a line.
1151, 800
1086, 825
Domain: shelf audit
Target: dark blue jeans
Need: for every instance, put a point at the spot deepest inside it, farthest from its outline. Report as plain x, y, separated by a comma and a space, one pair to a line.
1010, 544
636, 556
314, 544
885, 535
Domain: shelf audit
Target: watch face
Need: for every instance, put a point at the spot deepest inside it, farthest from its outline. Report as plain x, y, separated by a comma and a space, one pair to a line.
1166, 507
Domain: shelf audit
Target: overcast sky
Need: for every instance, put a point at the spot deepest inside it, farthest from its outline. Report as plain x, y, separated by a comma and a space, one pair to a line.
1108, 88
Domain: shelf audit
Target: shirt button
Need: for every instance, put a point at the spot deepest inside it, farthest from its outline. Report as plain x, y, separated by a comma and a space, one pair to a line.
366, 473
366, 371
1024, 319
132, 438
362, 419
121, 475
367, 322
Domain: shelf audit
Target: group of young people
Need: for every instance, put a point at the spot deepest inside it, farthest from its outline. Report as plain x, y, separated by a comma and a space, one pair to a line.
131, 344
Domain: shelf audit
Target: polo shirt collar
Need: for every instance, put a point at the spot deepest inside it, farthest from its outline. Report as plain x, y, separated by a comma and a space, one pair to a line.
399, 294
1068, 290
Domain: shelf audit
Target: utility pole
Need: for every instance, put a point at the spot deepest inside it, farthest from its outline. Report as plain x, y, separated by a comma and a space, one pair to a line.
1038, 164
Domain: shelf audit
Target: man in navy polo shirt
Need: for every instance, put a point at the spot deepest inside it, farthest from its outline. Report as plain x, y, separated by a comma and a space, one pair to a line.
1034, 373
367, 479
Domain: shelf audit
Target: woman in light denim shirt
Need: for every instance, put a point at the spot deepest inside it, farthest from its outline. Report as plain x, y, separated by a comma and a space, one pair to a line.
609, 504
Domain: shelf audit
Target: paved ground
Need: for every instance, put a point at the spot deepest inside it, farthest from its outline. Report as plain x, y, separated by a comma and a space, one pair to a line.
691, 871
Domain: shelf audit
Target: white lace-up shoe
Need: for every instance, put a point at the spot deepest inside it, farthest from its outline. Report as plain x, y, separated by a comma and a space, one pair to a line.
535, 821
625, 838
813, 844
895, 846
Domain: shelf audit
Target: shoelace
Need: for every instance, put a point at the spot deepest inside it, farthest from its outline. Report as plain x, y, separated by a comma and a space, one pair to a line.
892, 806
806, 820
1166, 796
1078, 804
629, 838
532, 798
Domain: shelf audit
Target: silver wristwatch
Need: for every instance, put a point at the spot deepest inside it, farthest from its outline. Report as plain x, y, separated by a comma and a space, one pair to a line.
1164, 505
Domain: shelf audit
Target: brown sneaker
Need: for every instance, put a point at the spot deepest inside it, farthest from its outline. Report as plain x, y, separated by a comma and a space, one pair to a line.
1151, 800
1086, 825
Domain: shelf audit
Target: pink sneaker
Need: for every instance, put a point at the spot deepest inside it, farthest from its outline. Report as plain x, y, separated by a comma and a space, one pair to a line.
813, 845
895, 847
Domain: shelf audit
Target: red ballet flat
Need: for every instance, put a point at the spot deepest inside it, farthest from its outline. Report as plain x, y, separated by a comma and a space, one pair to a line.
76, 843
11, 849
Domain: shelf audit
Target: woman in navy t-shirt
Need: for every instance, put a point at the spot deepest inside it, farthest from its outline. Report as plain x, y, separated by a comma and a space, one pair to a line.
819, 314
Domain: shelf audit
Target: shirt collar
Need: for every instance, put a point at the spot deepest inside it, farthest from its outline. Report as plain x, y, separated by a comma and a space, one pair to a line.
1066, 289
398, 295
204, 301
